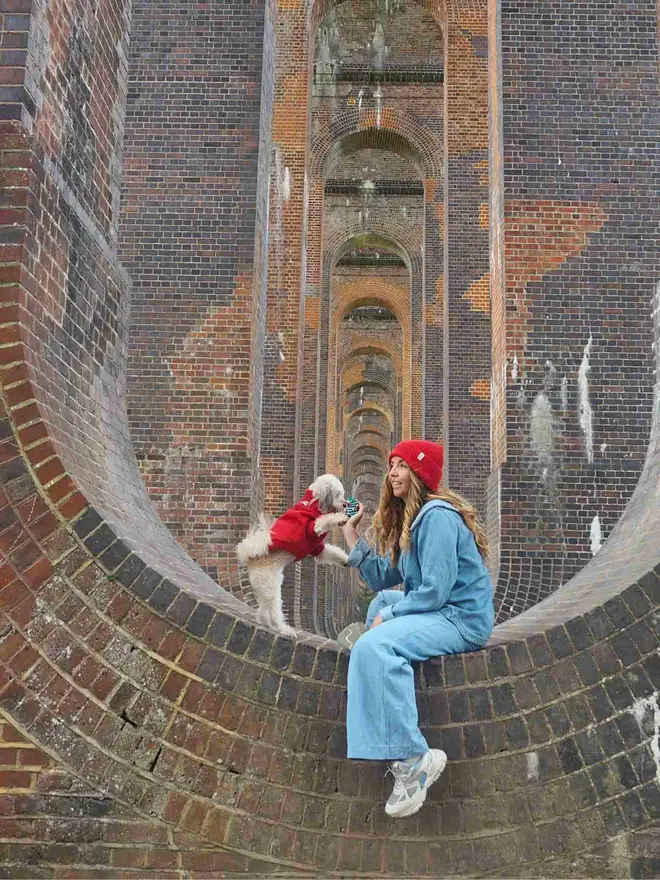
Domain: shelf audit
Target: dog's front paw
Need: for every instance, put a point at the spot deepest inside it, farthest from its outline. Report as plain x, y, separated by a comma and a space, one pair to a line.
287, 631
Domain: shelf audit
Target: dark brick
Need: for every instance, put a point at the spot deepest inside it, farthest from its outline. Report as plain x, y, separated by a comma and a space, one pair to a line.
612, 818
146, 583
220, 629
303, 659
326, 662
587, 669
559, 642
569, 755
163, 596
494, 737
579, 633
261, 646
558, 719
516, 733
539, 731
539, 650
200, 619
114, 555
454, 670
480, 704
619, 693
474, 741
240, 637
459, 709
629, 730
599, 703
650, 584
519, 658
589, 747
636, 600
643, 636
610, 739
210, 665
582, 789
650, 796
498, 663
181, 609
86, 524
130, 569
599, 623
633, 809
618, 612
546, 685
100, 540
503, 699
282, 653
475, 666
625, 648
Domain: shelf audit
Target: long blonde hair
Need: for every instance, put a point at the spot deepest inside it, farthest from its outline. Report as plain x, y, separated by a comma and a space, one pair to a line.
391, 523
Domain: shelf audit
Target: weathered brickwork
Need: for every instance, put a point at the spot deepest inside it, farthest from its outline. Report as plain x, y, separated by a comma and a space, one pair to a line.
148, 726
198, 263
581, 264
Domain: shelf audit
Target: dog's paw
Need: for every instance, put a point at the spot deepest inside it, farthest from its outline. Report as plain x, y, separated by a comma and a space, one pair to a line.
288, 631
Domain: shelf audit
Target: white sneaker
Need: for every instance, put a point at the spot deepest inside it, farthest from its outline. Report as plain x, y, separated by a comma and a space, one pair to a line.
411, 784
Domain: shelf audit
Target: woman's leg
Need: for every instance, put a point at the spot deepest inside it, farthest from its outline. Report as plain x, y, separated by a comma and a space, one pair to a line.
381, 716
385, 597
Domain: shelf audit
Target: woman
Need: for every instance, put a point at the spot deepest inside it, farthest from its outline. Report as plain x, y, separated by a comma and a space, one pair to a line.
431, 540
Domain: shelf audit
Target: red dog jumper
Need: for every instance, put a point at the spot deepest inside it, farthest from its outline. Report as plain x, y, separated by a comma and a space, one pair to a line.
294, 531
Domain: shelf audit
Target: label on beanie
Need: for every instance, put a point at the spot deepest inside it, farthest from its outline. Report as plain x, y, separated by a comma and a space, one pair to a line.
420, 456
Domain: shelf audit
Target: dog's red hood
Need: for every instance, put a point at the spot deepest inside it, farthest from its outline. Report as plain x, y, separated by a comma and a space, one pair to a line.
294, 531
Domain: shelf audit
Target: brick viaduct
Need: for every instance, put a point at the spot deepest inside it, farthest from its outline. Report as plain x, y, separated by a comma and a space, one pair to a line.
244, 241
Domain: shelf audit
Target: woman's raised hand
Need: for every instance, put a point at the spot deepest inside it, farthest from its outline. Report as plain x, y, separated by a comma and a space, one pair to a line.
349, 529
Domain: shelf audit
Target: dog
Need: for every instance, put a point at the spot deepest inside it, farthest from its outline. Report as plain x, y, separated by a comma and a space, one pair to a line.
298, 533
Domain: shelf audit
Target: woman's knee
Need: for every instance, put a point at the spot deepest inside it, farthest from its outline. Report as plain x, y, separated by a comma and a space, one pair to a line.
366, 647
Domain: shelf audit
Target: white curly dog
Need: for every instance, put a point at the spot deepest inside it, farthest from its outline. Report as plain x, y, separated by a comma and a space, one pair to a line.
298, 533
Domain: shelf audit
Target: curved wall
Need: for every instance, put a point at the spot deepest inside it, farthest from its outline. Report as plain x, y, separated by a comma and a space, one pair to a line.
148, 726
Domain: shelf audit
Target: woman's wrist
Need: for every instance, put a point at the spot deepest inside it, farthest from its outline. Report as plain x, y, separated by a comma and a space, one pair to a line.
350, 536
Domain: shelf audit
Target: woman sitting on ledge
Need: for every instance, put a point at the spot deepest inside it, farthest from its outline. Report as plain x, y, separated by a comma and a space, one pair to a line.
431, 540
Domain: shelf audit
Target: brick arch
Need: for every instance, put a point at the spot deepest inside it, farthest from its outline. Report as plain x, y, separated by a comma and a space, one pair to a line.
353, 294
357, 129
441, 10
368, 409
364, 346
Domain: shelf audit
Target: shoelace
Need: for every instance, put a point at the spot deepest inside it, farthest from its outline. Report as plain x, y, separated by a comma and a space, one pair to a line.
399, 772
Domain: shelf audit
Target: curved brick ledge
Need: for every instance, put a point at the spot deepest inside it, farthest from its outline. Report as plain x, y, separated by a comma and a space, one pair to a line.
190, 715
174, 737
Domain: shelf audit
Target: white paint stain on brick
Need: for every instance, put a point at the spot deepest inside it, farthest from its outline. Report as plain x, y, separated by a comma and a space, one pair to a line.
514, 368
595, 535
542, 422
532, 766
584, 409
564, 394
639, 710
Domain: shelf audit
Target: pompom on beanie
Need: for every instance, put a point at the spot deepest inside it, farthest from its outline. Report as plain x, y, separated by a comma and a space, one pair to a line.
424, 458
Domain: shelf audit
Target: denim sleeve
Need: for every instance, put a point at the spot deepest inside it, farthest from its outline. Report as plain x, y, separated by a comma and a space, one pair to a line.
375, 570
437, 550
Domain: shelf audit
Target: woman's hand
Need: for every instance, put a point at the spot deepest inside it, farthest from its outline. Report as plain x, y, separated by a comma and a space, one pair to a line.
377, 621
349, 529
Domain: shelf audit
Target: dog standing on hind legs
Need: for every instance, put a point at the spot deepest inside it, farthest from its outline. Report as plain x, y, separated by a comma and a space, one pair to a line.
298, 533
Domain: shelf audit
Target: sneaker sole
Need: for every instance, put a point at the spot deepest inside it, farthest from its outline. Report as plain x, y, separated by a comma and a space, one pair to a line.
417, 805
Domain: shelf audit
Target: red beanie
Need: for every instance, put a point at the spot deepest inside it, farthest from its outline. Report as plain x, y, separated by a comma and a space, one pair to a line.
424, 458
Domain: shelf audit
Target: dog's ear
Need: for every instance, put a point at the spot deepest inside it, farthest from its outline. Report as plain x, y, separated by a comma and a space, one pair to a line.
325, 492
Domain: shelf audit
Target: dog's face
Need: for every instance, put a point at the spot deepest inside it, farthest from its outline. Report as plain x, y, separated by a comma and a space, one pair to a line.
329, 493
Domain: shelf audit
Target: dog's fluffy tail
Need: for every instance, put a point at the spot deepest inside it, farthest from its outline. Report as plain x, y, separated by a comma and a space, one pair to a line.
256, 543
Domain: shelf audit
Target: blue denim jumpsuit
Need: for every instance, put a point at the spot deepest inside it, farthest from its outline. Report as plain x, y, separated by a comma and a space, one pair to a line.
446, 607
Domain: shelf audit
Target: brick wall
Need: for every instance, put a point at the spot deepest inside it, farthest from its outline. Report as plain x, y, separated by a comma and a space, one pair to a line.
580, 182
194, 239
169, 735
